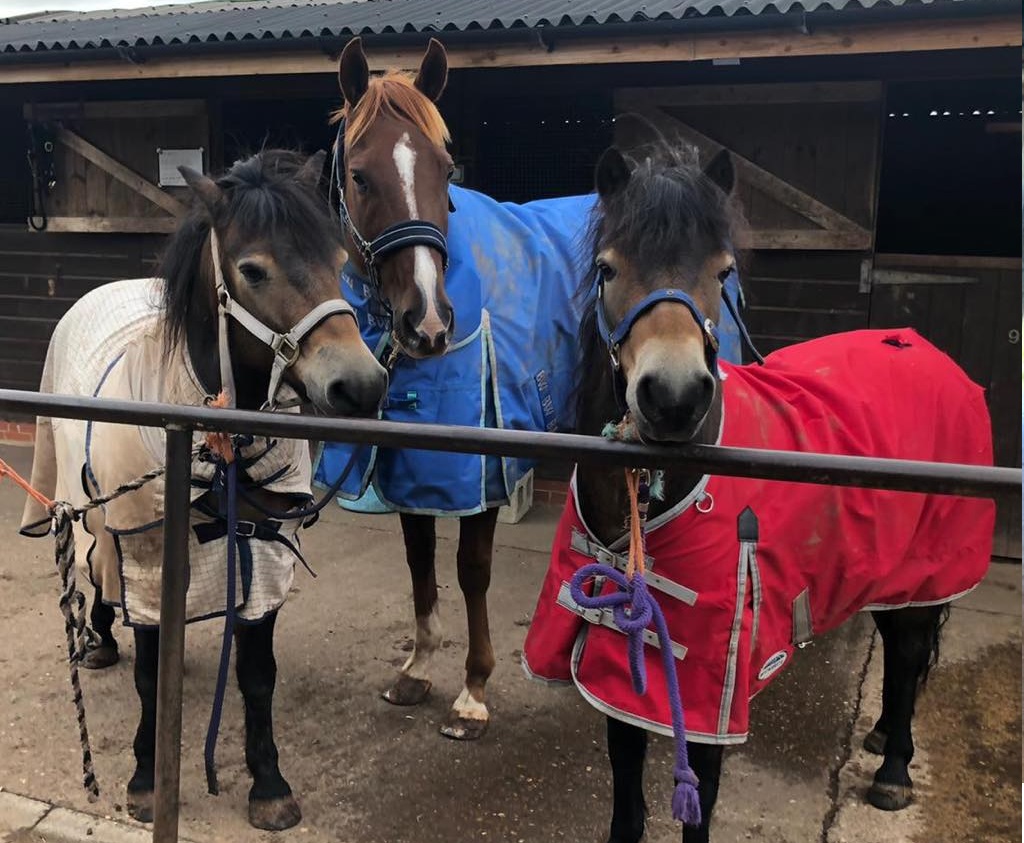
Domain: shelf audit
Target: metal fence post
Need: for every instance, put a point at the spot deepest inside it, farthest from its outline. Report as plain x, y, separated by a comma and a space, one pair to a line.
172, 634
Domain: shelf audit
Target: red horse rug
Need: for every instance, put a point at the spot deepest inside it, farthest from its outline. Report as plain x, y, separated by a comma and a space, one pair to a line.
748, 570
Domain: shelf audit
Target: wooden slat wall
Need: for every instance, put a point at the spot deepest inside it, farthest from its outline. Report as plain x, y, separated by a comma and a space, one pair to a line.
797, 296
42, 275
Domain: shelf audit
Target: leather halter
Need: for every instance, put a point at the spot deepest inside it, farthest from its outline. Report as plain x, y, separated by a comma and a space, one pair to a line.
395, 237
286, 346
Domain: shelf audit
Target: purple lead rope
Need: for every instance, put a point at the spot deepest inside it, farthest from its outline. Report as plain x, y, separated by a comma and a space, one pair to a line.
633, 608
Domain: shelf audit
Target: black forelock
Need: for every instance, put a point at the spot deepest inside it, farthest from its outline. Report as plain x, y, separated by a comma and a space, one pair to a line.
262, 200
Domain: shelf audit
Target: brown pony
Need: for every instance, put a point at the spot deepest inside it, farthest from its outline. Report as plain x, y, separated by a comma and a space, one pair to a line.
259, 238
396, 171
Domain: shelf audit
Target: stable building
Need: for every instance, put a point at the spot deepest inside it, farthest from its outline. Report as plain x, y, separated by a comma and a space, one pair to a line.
877, 144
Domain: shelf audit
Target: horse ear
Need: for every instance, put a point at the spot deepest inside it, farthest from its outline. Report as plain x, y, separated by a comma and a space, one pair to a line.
353, 72
433, 73
612, 173
722, 172
310, 172
204, 187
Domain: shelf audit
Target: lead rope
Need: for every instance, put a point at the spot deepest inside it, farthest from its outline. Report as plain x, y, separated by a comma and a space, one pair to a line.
72, 606
225, 481
72, 601
633, 610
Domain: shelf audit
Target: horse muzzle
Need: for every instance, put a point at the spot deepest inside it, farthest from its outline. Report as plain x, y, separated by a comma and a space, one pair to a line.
670, 406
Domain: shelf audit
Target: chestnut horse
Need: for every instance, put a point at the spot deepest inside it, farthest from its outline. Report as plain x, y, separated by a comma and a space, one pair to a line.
394, 172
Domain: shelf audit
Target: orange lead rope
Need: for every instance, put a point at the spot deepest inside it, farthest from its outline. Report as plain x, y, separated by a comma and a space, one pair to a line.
39, 497
638, 487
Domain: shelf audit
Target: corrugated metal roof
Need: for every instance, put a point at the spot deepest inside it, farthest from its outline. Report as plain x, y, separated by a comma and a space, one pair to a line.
252, 20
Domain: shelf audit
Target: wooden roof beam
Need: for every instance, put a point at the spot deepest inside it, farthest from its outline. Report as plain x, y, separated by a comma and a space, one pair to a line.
855, 39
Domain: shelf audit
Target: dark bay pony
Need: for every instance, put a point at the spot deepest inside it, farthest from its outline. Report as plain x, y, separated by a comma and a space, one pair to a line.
252, 269
746, 571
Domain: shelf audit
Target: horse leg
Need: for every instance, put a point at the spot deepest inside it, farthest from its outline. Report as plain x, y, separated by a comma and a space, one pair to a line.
140, 786
413, 682
706, 763
468, 717
909, 640
271, 804
104, 653
627, 749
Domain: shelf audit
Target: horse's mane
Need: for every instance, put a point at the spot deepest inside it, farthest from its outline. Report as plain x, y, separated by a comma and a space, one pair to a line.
263, 199
393, 95
670, 214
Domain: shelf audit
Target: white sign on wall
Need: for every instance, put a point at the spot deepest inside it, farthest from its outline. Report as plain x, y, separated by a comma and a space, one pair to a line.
171, 159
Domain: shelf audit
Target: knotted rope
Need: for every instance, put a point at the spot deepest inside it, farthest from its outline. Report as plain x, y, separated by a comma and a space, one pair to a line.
633, 610
72, 606
72, 601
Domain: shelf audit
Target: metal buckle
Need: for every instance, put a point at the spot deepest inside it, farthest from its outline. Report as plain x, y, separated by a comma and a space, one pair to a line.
709, 333
613, 352
245, 529
282, 342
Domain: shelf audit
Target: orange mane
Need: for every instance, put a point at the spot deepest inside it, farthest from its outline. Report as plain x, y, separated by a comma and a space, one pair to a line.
393, 95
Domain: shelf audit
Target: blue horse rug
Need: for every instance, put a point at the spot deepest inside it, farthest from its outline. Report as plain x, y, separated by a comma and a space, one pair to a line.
512, 279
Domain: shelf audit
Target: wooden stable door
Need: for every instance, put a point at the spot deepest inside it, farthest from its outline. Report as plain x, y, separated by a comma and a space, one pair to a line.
806, 160
106, 163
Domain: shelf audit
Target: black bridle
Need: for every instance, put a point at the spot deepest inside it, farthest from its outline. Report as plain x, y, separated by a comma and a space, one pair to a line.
395, 237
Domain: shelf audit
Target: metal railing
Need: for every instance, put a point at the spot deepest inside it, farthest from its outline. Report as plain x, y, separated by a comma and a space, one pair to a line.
180, 423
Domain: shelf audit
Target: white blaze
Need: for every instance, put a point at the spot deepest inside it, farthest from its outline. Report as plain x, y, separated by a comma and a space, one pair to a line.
424, 270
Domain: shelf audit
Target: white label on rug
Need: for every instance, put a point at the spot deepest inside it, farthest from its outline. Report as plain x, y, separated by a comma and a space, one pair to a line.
774, 663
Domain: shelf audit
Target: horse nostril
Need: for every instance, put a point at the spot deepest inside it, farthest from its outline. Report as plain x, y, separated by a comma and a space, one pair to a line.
647, 397
408, 326
351, 398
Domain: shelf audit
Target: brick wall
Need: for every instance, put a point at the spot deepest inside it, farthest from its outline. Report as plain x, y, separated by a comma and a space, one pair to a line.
550, 492
17, 432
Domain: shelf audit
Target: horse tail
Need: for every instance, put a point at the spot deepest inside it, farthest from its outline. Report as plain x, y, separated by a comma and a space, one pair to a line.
939, 622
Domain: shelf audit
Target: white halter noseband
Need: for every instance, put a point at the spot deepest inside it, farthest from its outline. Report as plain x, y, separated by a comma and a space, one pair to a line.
286, 346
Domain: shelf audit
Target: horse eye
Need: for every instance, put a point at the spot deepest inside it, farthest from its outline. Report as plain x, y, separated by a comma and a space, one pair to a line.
451, 173
606, 271
359, 181
252, 273
725, 273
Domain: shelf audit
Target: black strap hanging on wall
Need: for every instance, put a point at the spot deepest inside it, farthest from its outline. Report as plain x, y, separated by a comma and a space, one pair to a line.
42, 166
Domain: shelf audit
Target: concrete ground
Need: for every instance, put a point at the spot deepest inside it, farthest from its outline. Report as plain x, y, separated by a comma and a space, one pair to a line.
365, 771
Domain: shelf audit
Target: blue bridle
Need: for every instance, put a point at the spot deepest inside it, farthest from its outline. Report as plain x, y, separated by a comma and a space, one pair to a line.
401, 235
614, 337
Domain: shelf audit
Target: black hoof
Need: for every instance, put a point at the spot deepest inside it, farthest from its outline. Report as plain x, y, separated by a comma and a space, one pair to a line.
274, 814
463, 728
874, 742
140, 805
407, 690
100, 656
890, 797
